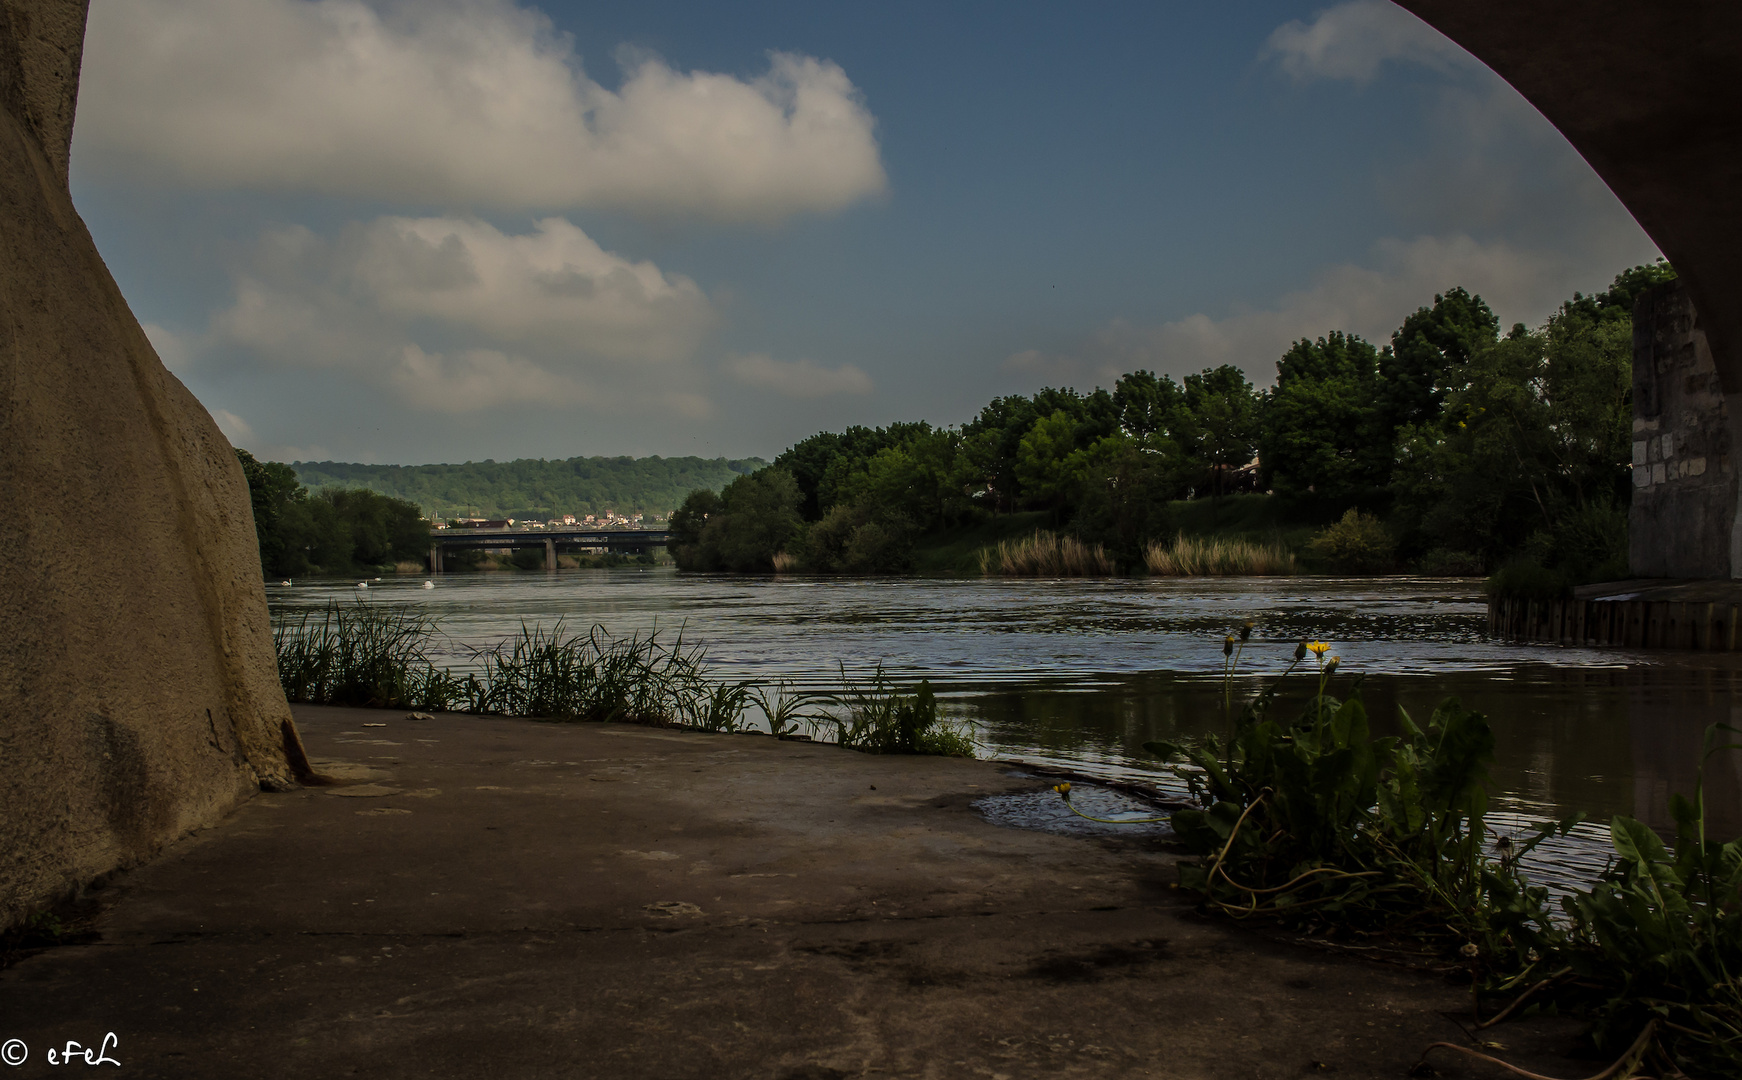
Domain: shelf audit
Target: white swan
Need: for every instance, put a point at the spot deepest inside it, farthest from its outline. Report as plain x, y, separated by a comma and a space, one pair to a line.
286, 581
429, 584
362, 584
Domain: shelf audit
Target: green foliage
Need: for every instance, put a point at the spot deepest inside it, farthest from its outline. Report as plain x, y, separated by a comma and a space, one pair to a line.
365, 655
1530, 456
1217, 425
535, 488
375, 656
1315, 822
742, 529
333, 532
1357, 544
1312, 818
854, 538
1323, 431
880, 720
1477, 450
1658, 942
1425, 351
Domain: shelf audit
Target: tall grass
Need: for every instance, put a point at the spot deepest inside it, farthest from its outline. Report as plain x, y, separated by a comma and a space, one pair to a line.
596, 677
1046, 554
878, 719
375, 656
1192, 556
365, 655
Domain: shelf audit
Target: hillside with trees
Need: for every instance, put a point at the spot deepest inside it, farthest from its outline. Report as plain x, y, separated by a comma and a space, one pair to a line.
535, 488
1458, 448
336, 531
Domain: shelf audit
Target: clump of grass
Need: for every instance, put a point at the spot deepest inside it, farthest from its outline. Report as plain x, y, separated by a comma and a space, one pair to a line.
785, 563
785, 709
374, 656
878, 719
367, 655
1192, 556
1046, 554
548, 674
1356, 544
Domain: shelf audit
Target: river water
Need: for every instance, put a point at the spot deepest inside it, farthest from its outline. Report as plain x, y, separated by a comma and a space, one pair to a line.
1080, 673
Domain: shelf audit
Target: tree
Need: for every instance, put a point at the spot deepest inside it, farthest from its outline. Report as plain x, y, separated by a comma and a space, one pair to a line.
272, 486
1323, 432
754, 519
1146, 404
1217, 423
1040, 458
1426, 349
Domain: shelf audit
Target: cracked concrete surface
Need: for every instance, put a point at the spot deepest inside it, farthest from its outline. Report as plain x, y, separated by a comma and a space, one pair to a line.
498, 897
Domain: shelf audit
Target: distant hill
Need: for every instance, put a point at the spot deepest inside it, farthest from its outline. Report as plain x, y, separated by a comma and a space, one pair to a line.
536, 488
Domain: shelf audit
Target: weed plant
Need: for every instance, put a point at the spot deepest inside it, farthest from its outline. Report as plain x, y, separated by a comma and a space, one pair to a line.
878, 719
1357, 543
1315, 823
375, 656
1046, 554
1191, 556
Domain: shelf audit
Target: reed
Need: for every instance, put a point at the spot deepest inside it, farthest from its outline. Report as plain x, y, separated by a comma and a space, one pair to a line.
1046, 554
1192, 556
550, 674
365, 655
375, 656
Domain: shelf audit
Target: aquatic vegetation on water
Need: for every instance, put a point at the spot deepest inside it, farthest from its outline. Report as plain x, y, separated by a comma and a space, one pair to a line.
376, 656
1193, 556
1314, 822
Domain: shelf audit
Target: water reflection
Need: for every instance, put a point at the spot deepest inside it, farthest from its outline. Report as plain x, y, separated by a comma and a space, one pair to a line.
1081, 673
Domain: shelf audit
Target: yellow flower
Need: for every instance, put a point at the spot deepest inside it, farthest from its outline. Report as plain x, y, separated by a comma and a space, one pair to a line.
1331, 664
1063, 789
1227, 644
1319, 648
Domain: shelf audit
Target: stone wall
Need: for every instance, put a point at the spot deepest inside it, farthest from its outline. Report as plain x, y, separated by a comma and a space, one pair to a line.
1683, 518
139, 698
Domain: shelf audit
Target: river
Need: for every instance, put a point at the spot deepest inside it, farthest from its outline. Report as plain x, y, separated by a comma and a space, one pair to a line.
1080, 673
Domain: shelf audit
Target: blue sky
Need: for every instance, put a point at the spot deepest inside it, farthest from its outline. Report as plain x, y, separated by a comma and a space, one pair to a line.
460, 229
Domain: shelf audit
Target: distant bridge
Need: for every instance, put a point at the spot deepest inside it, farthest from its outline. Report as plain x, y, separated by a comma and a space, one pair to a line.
618, 541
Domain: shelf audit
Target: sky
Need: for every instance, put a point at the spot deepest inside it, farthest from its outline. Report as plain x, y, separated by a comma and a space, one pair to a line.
452, 230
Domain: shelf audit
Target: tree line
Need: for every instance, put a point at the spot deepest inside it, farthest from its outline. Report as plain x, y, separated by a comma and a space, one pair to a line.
335, 531
534, 487
1474, 448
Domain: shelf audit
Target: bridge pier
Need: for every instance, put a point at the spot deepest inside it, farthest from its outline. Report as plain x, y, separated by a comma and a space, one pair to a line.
435, 558
1684, 521
550, 553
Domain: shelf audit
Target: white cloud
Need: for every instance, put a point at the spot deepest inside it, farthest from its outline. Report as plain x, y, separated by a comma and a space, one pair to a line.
454, 315
455, 102
1353, 40
173, 348
1372, 300
236, 429
797, 378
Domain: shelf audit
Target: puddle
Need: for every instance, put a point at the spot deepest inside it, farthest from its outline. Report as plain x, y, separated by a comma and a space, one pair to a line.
1044, 811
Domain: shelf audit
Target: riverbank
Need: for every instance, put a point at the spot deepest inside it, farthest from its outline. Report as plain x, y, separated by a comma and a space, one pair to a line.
523, 899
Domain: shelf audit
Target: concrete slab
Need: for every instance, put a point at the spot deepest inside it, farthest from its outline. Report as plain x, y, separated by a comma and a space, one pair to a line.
493, 897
